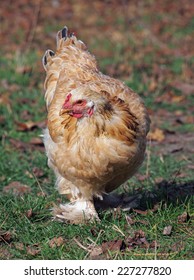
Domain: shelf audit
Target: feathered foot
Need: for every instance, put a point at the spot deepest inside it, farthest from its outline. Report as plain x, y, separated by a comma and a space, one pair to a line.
76, 212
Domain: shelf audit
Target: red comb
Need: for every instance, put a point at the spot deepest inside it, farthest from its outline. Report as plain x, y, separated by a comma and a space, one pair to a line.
67, 104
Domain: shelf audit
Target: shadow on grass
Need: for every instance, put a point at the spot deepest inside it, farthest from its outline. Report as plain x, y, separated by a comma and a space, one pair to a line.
171, 192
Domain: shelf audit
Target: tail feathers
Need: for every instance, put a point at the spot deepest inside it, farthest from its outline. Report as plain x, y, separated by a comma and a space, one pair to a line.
62, 34
65, 34
47, 58
64, 38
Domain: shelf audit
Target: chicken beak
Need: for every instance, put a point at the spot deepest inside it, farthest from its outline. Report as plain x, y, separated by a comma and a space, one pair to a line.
64, 111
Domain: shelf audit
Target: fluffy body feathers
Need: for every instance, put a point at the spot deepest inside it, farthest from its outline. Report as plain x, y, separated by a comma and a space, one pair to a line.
97, 126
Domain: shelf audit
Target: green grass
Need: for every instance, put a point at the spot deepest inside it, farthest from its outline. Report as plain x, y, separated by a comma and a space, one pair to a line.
39, 230
163, 187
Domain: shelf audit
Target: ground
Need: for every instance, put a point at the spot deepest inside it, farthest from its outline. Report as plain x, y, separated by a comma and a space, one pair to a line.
149, 46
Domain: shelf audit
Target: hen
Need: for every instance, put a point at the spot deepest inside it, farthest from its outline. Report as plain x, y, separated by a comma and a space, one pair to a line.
97, 126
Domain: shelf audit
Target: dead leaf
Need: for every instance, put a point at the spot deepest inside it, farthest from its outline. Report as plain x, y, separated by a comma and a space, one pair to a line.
26, 115
23, 69
56, 242
181, 175
138, 239
29, 213
113, 245
5, 236
19, 145
153, 85
183, 218
154, 244
2, 120
167, 230
142, 177
36, 141
23, 146
189, 119
184, 87
4, 99
5, 254
17, 188
170, 97
177, 98
10, 87
33, 250
139, 234
94, 231
30, 125
178, 246
142, 222
190, 166
96, 251
129, 220
156, 135
158, 180
27, 173
41, 194
37, 172
19, 246
142, 212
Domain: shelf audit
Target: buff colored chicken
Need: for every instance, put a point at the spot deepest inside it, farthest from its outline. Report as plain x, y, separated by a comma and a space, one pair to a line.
97, 126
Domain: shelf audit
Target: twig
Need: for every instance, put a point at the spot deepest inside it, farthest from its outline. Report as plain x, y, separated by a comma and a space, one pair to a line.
43, 193
33, 26
90, 247
94, 243
4, 220
81, 246
116, 228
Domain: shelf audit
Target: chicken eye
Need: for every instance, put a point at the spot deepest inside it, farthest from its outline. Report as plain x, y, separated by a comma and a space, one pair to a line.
79, 102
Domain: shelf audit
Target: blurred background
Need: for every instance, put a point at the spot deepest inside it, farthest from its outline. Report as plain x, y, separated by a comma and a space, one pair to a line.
147, 44
154, 37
